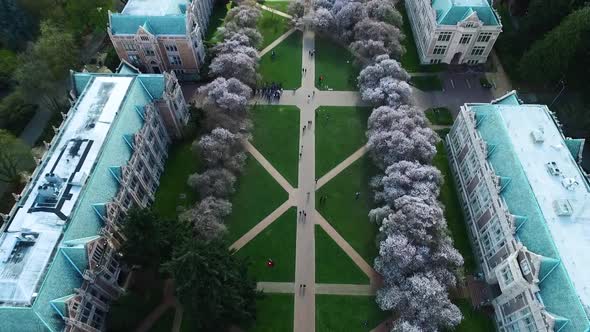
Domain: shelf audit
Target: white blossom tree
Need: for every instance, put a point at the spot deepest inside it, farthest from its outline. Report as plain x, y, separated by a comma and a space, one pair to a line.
296, 8
207, 218
238, 64
385, 83
221, 148
346, 15
217, 182
391, 36
407, 178
384, 10
322, 21
421, 301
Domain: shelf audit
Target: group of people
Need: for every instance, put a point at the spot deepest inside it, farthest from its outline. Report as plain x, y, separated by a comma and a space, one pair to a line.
271, 92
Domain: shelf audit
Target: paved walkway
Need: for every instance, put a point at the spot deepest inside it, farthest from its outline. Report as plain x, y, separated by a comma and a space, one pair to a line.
307, 98
276, 42
340, 167
327, 289
280, 13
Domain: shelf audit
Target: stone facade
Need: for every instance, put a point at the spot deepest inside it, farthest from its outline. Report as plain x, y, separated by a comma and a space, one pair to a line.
467, 40
527, 286
154, 47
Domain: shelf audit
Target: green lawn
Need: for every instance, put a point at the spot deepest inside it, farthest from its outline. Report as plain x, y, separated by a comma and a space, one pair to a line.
340, 131
347, 313
411, 60
349, 216
180, 164
271, 26
286, 67
473, 320
215, 21
427, 83
276, 136
274, 313
164, 324
335, 64
439, 116
332, 264
453, 213
276, 242
257, 195
282, 6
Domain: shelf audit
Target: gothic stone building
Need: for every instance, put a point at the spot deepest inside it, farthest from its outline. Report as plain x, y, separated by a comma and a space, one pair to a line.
526, 202
453, 31
162, 35
59, 266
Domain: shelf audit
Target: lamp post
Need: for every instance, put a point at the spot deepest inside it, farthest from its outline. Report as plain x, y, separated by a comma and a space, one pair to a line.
562, 82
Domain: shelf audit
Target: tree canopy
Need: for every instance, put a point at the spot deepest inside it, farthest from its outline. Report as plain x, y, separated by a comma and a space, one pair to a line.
15, 158
47, 61
563, 52
213, 285
150, 238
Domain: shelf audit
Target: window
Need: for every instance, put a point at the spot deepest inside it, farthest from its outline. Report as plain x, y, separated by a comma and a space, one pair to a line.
484, 37
171, 48
445, 36
134, 59
435, 61
174, 60
465, 39
144, 38
439, 50
129, 45
477, 50
149, 51
470, 25
472, 62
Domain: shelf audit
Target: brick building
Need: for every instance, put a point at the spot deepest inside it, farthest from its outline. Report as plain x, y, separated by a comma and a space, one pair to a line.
162, 35
526, 202
59, 266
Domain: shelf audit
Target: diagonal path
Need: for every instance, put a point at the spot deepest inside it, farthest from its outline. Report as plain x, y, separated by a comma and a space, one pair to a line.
268, 167
342, 166
272, 10
374, 277
262, 225
276, 42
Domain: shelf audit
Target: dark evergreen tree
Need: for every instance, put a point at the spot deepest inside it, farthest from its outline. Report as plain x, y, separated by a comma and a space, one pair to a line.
150, 238
16, 27
213, 285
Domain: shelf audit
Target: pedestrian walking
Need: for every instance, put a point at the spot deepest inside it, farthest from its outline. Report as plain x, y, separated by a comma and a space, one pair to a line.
304, 126
313, 93
304, 285
357, 195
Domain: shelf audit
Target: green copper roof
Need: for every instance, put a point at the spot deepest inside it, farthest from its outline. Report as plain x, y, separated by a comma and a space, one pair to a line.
451, 12
575, 147
557, 291
21, 319
64, 273
158, 25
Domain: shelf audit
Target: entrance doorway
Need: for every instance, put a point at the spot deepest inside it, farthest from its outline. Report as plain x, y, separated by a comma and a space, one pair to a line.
456, 58
156, 70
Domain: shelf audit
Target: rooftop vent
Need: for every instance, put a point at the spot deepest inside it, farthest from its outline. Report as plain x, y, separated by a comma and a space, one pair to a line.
570, 183
563, 207
552, 168
538, 135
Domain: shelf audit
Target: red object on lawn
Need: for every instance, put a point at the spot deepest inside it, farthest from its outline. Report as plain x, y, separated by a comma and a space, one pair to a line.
270, 263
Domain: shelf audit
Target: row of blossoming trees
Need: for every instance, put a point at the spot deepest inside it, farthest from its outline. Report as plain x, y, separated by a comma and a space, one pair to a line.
416, 257
226, 120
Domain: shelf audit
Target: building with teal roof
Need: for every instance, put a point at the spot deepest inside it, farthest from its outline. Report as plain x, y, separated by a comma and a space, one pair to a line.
59, 266
453, 31
527, 206
162, 35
